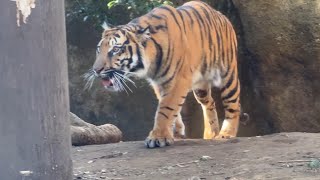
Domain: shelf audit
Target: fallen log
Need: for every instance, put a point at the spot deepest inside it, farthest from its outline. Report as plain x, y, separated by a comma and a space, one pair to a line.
83, 133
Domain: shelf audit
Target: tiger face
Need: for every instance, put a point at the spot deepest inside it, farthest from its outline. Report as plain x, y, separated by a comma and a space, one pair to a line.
119, 55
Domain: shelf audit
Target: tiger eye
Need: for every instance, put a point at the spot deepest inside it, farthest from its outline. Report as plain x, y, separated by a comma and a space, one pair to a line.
115, 49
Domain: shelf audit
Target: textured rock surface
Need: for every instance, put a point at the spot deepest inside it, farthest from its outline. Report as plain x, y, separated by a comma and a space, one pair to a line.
282, 41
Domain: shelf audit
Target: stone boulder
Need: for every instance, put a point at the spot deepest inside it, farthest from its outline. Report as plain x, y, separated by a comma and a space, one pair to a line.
280, 63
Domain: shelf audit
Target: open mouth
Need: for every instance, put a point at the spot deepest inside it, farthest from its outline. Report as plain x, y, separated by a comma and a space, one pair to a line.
115, 81
107, 82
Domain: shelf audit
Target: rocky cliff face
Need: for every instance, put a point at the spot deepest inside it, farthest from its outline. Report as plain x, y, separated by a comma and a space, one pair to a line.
282, 43
279, 70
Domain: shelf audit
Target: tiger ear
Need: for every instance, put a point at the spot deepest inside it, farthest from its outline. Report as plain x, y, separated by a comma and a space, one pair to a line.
144, 34
106, 26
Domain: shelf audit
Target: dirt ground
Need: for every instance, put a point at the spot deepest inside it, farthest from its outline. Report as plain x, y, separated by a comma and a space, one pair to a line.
278, 156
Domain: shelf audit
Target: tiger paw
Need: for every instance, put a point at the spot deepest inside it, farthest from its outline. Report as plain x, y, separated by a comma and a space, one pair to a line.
224, 135
179, 132
155, 139
179, 135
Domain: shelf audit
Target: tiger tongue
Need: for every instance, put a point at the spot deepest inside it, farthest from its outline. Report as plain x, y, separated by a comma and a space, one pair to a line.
107, 82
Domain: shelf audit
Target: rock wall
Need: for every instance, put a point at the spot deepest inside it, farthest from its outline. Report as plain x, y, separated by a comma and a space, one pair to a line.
282, 43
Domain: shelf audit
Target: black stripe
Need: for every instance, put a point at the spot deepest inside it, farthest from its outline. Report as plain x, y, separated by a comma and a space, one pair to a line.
160, 27
228, 45
130, 51
205, 25
231, 100
167, 107
164, 94
125, 59
172, 14
175, 115
231, 93
163, 114
228, 117
180, 104
222, 41
215, 26
159, 56
229, 69
206, 5
165, 72
127, 41
207, 14
128, 28
130, 58
184, 97
209, 34
204, 63
232, 110
138, 53
168, 58
230, 80
178, 68
232, 47
122, 31
184, 26
156, 16
140, 63
225, 74
189, 15
195, 12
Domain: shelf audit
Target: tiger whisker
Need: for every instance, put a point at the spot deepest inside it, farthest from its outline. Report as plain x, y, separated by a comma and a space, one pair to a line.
118, 82
130, 72
126, 78
89, 77
116, 85
123, 81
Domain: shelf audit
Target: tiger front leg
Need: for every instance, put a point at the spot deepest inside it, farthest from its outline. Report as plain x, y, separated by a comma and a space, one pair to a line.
168, 110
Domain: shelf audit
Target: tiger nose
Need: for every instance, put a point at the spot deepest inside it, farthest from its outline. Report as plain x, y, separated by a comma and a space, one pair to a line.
97, 71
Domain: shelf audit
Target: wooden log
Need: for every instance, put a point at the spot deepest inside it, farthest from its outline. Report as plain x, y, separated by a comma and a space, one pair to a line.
83, 133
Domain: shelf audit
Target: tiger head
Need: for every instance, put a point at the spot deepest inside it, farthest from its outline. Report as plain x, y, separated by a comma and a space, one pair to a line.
119, 55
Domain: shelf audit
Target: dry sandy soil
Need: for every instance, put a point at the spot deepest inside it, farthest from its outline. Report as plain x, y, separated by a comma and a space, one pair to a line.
278, 156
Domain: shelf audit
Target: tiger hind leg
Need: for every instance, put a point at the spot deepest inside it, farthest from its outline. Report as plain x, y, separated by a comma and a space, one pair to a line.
231, 103
179, 128
202, 93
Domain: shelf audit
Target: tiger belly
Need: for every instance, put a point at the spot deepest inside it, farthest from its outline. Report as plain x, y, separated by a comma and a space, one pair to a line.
213, 77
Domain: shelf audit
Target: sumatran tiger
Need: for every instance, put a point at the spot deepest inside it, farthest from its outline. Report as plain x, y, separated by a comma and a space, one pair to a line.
192, 47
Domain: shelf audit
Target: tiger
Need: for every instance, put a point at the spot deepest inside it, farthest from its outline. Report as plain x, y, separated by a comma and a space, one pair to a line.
189, 48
